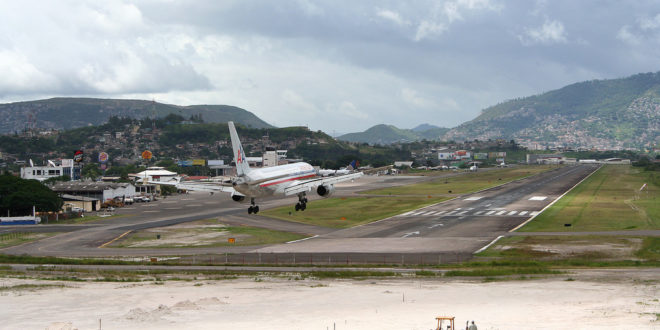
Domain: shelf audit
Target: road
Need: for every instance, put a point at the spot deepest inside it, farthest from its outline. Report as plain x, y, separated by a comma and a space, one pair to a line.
451, 230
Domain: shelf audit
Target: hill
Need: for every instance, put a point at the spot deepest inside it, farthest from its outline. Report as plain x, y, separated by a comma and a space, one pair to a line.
67, 113
605, 114
387, 134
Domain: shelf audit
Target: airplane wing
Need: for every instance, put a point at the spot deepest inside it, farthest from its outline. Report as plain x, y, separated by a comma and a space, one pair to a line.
198, 186
308, 185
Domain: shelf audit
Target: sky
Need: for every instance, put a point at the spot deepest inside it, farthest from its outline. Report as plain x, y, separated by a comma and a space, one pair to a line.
337, 66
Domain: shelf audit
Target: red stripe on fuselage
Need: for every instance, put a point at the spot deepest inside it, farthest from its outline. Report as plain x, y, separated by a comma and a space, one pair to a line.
287, 180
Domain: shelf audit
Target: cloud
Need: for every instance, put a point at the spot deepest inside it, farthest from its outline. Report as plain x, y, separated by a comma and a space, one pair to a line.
428, 29
392, 16
551, 32
346, 109
296, 101
412, 97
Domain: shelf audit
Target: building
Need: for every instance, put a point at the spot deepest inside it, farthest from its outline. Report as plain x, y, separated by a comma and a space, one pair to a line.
90, 195
154, 173
51, 170
545, 159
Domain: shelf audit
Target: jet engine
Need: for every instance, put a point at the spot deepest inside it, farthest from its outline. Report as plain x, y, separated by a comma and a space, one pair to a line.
237, 197
325, 190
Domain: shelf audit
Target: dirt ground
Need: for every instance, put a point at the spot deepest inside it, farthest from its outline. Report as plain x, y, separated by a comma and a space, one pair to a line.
592, 300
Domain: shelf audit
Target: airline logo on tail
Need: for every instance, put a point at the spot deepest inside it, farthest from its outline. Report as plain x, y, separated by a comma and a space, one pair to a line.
239, 156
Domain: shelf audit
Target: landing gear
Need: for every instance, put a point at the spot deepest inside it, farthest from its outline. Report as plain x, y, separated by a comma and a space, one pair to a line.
253, 208
302, 202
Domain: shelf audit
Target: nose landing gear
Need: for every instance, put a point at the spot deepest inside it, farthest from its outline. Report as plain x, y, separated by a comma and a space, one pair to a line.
302, 202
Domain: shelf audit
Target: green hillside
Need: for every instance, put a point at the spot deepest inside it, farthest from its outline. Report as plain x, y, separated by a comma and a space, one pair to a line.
67, 113
387, 134
617, 113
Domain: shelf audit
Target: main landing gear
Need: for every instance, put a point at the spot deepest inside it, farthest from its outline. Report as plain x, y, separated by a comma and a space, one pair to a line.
302, 202
253, 208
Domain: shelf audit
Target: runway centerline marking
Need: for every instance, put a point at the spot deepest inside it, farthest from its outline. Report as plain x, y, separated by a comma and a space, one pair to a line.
410, 234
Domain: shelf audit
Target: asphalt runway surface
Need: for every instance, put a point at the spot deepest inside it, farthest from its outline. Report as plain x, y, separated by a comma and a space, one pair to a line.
450, 231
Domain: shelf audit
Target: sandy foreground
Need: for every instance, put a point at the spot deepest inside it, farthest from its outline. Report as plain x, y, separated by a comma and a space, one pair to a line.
277, 303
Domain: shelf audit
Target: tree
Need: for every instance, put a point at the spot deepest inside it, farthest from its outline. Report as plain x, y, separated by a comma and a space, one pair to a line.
90, 171
17, 196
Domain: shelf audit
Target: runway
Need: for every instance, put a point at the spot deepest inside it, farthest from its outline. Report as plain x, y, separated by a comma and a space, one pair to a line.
452, 229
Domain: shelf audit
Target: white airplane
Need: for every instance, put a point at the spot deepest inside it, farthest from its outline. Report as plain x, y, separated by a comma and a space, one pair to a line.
348, 169
283, 180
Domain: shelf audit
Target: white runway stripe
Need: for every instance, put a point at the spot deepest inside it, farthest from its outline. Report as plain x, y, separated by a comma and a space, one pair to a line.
441, 212
490, 212
500, 212
534, 213
407, 213
522, 213
450, 213
478, 212
461, 213
512, 212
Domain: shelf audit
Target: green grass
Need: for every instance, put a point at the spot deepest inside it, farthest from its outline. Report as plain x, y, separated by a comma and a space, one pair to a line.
351, 211
609, 200
244, 236
12, 239
29, 287
466, 183
86, 219
576, 251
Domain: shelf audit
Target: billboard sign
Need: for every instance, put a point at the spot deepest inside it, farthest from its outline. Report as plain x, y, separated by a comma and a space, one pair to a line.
199, 162
67, 162
480, 155
103, 157
445, 155
212, 162
78, 156
500, 154
185, 163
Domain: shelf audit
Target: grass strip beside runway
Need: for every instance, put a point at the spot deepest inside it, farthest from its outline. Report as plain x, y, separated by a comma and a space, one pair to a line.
584, 251
203, 234
609, 200
466, 183
347, 212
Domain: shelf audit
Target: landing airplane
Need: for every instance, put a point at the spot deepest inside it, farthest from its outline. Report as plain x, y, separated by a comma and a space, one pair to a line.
283, 180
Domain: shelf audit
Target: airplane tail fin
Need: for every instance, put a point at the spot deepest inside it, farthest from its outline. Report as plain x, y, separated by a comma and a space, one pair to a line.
242, 166
353, 165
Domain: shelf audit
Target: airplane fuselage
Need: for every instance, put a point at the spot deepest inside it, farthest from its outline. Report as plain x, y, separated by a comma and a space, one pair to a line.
269, 181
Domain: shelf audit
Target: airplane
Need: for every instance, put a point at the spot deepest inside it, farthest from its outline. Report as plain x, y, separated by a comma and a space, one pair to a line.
282, 180
348, 169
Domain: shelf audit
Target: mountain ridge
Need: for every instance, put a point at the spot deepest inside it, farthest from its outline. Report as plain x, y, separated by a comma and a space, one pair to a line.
68, 112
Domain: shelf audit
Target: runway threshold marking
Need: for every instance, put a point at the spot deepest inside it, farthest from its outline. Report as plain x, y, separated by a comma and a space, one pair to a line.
538, 198
116, 238
500, 212
512, 212
478, 212
522, 213
490, 212
474, 198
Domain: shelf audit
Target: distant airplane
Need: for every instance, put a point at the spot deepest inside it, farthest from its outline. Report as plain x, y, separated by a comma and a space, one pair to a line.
283, 180
348, 169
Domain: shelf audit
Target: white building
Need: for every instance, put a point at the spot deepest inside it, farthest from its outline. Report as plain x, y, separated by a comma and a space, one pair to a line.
51, 170
155, 174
